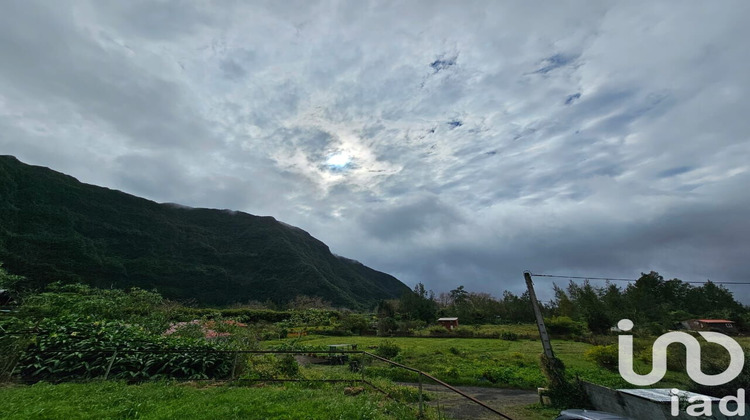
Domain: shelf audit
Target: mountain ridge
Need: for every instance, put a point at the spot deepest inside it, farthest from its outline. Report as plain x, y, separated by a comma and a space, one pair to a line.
53, 227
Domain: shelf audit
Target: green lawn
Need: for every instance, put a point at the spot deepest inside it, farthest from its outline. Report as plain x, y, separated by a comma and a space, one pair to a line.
486, 362
115, 400
522, 330
458, 361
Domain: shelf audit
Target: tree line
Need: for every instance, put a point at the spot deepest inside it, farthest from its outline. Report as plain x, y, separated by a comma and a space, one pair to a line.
652, 302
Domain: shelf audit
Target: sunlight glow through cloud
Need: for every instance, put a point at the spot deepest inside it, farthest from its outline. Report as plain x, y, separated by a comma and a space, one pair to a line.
339, 160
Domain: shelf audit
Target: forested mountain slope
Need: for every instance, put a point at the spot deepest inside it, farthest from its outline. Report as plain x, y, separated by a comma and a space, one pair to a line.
53, 227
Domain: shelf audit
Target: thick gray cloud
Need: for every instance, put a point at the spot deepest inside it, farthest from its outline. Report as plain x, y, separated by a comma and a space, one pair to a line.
441, 142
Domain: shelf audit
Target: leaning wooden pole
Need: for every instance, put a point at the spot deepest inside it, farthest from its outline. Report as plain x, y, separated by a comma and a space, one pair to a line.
539, 318
552, 367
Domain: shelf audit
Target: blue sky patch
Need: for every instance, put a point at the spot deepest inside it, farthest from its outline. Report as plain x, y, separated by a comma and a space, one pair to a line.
572, 98
555, 62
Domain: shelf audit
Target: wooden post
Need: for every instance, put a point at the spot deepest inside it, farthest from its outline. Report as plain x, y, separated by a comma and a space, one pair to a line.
539, 318
421, 403
234, 365
361, 363
109, 367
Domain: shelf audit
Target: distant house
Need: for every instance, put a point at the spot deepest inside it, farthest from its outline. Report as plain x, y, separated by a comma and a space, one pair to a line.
448, 323
719, 325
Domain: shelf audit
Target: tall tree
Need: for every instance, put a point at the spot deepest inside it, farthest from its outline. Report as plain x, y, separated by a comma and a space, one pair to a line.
419, 305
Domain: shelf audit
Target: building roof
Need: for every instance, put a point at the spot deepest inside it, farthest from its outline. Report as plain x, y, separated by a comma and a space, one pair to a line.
662, 395
716, 321
447, 319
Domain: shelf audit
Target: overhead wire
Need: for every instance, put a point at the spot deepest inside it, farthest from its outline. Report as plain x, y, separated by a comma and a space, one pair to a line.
631, 280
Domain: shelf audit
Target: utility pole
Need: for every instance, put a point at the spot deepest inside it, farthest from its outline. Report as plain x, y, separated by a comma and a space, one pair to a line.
539, 319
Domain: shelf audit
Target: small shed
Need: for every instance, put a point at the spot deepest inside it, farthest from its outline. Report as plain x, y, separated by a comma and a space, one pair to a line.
448, 323
720, 325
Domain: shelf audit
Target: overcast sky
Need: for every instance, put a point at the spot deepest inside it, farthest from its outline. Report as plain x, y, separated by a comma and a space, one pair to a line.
452, 143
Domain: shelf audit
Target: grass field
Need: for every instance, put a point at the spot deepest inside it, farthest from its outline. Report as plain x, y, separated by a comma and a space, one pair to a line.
458, 361
116, 400
485, 362
522, 330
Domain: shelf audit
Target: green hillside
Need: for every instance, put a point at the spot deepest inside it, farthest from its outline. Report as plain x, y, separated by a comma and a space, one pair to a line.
53, 227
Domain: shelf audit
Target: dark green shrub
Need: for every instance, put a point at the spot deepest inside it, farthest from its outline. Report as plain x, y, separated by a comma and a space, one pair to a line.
438, 331
355, 323
60, 300
604, 356
239, 314
79, 348
261, 367
715, 361
654, 329
509, 336
501, 375
563, 325
677, 357
12, 345
463, 332
387, 349
335, 333
356, 363
387, 326
409, 326
288, 366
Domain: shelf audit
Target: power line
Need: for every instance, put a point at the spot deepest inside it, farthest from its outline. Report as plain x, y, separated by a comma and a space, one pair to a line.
632, 280
583, 278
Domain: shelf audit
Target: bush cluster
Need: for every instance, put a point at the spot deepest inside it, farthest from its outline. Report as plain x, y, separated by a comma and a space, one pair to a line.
563, 325
509, 336
71, 347
604, 356
388, 349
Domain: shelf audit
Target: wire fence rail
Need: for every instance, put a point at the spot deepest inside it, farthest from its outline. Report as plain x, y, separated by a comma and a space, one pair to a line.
333, 354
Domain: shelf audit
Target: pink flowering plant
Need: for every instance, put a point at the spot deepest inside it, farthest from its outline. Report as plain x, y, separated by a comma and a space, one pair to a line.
207, 329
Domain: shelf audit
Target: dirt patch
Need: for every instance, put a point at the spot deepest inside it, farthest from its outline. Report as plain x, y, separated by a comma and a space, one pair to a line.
455, 406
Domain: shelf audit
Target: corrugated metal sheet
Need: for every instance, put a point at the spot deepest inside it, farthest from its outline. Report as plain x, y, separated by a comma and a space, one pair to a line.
661, 395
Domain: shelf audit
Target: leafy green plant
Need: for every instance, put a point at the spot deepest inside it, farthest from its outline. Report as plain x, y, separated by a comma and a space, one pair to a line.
12, 344
604, 356
9, 281
287, 366
386, 326
261, 367
438, 331
510, 336
78, 348
388, 349
355, 323
357, 362
463, 332
60, 300
564, 325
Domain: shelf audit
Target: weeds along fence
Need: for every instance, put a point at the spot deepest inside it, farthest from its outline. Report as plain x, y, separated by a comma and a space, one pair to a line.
354, 372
